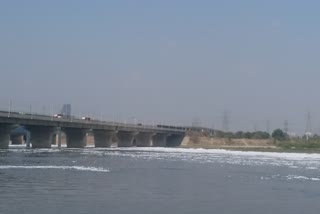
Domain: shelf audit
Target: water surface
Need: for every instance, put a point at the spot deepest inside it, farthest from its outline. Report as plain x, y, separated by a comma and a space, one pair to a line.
157, 180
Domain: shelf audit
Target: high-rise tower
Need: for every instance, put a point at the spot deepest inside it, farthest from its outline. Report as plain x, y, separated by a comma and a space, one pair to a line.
66, 110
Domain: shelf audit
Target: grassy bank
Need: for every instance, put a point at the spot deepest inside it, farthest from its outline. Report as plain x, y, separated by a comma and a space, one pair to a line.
260, 149
299, 144
291, 145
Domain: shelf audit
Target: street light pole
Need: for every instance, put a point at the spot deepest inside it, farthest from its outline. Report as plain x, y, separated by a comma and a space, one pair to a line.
10, 108
31, 111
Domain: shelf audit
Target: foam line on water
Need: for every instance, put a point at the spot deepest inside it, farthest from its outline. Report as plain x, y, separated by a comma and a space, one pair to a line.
300, 177
221, 156
78, 168
291, 178
281, 155
278, 155
292, 160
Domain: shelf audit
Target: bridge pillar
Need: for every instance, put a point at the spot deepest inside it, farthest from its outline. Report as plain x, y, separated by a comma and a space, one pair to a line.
174, 140
159, 140
5, 131
60, 138
103, 138
57, 137
89, 138
41, 136
59, 133
144, 139
76, 138
125, 139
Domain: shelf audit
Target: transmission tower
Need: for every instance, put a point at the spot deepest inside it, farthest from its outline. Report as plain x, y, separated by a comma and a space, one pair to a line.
268, 126
308, 125
286, 126
255, 126
196, 122
225, 121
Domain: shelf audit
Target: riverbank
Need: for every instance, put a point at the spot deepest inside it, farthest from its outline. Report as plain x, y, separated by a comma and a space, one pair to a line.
259, 145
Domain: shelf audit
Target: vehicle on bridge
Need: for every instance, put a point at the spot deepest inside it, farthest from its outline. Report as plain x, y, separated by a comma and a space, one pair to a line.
58, 116
86, 118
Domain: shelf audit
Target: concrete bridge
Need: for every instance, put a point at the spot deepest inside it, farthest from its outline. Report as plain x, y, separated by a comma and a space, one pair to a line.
43, 128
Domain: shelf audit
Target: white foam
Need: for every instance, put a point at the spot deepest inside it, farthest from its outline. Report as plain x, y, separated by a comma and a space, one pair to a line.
285, 155
292, 160
299, 177
277, 155
290, 178
282, 155
78, 168
311, 167
62, 146
221, 156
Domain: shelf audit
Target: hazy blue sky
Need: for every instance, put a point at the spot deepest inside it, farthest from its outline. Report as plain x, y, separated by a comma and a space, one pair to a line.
165, 61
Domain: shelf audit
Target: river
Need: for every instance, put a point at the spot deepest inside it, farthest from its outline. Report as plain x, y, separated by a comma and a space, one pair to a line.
157, 180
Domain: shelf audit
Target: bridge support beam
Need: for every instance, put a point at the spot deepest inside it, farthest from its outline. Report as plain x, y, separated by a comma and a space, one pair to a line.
5, 131
144, 139
174, 140
159, 140
103, 138
76, 138
41, 136
125, 139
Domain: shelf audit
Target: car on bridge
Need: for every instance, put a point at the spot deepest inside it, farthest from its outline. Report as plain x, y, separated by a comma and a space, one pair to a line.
86, 118
58, 115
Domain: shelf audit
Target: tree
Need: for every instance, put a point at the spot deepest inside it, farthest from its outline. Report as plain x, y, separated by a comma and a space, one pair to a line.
260, 135
278, 134
238, 135
247, 135
219, 134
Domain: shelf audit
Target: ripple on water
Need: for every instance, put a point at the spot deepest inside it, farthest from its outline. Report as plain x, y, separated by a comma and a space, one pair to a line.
77, 168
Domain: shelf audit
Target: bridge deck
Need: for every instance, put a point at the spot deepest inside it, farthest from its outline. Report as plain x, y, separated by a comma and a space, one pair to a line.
50, 121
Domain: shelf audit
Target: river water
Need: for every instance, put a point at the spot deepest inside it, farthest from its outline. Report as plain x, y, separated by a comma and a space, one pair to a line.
157, 180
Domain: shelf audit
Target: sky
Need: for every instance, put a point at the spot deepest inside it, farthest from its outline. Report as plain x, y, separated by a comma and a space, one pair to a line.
168, 61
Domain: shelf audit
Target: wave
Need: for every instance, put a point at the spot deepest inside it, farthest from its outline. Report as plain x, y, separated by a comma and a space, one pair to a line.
281, 155
299, 177
291, 178
221, 156
78, 168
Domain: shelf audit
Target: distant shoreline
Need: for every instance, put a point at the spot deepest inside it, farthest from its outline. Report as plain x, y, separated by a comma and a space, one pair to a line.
258, 145
255, 149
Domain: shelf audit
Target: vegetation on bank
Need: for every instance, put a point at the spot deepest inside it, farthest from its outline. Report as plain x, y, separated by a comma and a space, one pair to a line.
232, 135
280, 139
283, 141
299, 144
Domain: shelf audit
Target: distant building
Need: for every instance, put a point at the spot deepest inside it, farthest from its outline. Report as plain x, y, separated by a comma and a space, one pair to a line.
66, 110
292, 134
308, 135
